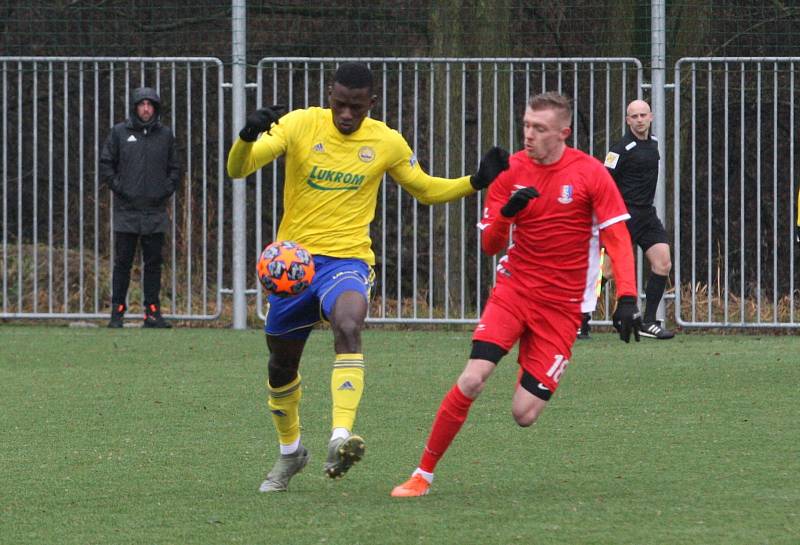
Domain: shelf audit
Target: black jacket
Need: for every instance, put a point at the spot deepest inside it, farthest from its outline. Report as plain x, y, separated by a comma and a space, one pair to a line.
139, 164
633, 164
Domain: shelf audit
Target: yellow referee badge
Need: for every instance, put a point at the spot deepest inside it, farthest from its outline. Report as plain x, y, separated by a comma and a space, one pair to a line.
611, 160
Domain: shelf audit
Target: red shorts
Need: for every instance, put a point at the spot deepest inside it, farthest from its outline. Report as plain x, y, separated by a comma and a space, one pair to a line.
546, 332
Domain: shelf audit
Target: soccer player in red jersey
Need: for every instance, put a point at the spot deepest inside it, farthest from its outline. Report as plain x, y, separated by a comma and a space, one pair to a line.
550, 198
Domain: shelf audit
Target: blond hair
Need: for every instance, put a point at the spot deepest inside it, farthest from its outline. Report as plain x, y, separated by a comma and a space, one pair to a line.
552, 101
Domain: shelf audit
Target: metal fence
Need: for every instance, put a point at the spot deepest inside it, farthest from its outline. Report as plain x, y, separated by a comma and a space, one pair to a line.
734, 188
428, 262
733, 169
57, 240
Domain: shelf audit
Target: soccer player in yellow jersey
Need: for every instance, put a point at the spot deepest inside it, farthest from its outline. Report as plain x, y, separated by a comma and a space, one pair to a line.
797, 225
335, 160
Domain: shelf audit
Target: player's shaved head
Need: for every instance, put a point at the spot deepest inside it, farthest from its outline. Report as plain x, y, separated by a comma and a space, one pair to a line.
553, 101
638, 106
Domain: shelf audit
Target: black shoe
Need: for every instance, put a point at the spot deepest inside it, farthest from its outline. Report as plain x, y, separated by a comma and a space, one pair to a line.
153, 318
583, 331
653, 330
117, 315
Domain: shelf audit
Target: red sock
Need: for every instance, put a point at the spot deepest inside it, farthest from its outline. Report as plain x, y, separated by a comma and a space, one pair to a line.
451, 415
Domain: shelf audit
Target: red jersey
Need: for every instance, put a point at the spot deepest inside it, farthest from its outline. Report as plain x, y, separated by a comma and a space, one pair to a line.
553, 251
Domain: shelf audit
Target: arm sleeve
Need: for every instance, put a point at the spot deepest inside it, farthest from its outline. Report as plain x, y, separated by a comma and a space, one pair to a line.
173, 170
798, 207
616, 174
493, 225
618, 244
247, 157
427, 189
614, 163
494, 238
109, 157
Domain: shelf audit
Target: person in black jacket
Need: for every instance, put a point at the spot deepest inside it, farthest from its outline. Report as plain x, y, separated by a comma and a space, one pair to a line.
633, 163
139, 164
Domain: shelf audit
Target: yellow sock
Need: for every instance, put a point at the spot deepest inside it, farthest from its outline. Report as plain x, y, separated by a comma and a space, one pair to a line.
284, 404
347, 384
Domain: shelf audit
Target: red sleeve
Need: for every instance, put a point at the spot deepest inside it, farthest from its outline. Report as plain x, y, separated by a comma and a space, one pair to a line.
617, 241
493, 225
494, 238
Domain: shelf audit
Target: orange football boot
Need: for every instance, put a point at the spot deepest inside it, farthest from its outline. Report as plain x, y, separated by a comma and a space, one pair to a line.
416, 486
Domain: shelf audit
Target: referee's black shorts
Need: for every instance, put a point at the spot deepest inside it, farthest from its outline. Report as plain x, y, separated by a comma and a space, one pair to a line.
645, 227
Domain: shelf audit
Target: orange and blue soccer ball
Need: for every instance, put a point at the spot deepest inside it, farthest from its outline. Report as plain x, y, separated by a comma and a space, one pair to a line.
285, 268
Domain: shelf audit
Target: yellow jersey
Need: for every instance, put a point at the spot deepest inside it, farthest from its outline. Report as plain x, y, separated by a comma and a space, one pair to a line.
332, 179
798, 207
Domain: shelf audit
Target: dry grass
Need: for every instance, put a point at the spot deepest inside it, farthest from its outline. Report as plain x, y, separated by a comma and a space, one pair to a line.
715, 307
58, 292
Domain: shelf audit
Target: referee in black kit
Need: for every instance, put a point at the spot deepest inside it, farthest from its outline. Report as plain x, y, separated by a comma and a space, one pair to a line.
633, 163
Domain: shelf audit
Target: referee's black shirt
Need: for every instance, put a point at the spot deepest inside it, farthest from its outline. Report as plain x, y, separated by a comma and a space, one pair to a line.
633, 164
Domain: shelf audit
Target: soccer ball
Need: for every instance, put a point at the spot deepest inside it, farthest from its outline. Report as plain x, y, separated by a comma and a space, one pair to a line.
285, 268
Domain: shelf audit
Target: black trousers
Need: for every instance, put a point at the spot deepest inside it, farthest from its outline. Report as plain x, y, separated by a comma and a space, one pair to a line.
124, 250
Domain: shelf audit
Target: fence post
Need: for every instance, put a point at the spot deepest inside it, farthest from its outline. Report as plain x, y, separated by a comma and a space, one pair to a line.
239, 59
658, 52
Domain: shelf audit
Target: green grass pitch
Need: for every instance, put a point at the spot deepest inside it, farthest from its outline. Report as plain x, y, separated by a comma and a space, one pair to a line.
162, 437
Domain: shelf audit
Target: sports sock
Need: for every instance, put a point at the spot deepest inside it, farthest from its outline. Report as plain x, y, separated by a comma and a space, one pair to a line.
347, 385
291, 448
654, 291
284, 404
428, 476
340, 433
451, 415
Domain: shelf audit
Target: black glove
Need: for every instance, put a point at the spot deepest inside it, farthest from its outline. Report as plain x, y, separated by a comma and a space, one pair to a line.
627, 318
260, 121
493, 163
518, 200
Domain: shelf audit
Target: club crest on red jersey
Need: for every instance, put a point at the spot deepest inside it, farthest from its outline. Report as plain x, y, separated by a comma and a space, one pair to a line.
566, 194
